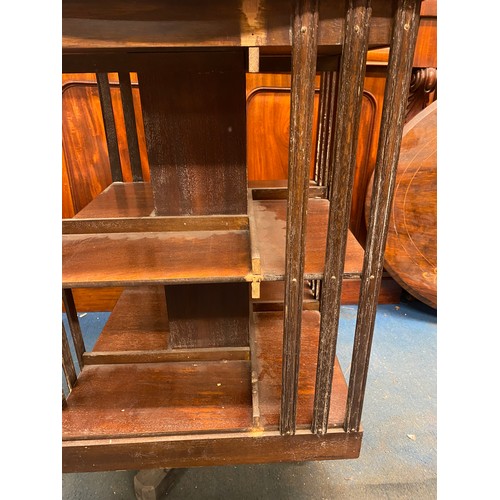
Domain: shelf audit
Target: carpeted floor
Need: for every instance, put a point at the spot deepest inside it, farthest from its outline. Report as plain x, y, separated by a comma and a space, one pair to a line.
398, 457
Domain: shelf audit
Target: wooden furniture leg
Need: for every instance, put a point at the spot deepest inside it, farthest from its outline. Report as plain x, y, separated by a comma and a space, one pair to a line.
152, 484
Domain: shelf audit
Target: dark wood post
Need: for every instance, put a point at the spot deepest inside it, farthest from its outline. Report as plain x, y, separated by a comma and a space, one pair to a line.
352, 74
130, 125
74, 324
109, 127
304, 53
405, 30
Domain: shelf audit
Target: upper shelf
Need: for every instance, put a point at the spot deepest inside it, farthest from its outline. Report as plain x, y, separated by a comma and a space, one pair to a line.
157, 24
138, 249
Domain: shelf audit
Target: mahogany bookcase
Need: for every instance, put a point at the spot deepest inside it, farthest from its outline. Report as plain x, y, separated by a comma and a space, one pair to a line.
222, 348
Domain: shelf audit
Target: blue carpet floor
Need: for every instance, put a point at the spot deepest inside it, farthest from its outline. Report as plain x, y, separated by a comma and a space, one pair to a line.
398, 457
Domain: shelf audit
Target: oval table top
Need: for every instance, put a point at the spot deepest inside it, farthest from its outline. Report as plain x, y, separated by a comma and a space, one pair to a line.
411, 250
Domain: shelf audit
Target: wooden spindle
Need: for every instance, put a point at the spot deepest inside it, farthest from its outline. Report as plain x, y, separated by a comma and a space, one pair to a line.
130, 126
67, 361
320, 141
346, 135
109, 127
405, 29
304, 53
74, 325
326, 167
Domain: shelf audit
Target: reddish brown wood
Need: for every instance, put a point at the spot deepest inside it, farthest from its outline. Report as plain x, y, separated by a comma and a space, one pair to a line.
270, 217
268, 339
96, 299
121, 199
104, 259
139, 322
130, 126
197, 154
207, 450
132, 400
90, 25
411, 249
208, 315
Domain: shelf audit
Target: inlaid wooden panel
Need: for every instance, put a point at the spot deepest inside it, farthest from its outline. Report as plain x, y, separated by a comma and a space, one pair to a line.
411, 250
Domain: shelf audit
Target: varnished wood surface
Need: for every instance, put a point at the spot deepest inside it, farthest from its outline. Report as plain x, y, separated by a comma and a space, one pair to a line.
139, 322
154, 23
411, 250
135, 200
89, 260
147, 258
270, 218
120, 199
205, 450
269, 339
406, 18
197, 154
208, 315
160, 398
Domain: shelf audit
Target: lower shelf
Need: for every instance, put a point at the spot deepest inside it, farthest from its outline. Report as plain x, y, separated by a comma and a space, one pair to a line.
205, 400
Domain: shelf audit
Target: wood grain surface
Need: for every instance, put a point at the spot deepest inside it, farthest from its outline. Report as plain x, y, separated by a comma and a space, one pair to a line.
411, 251
152, 258
269, 339
159, 398
270, 216
168, 23
195, 132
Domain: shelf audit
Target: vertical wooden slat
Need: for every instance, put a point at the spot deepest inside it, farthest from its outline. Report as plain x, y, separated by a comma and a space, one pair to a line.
321, 126
326, 167
403, 42
304, 48
346, 134
130, 126
67, 361
109, 126
74, 325
64, 402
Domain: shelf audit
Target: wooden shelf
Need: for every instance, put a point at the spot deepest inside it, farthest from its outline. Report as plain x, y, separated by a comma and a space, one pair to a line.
97, 259
148, 399
269, 344
270, 222
118, 399
145, 258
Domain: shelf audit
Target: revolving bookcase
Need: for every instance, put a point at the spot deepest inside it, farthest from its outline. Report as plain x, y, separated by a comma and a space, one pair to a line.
222, 347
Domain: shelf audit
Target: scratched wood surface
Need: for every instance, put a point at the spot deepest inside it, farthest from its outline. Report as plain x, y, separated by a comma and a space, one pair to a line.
147, 258
168, 23
158, 398
269, 341
270, 216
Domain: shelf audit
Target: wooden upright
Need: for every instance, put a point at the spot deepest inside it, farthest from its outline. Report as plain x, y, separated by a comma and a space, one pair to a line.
222, 347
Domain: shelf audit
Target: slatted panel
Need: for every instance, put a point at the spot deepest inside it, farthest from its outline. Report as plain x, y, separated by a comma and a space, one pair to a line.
130, 125
347, 124
393, 115
109, 126
67, 361
304, 47
74, 325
